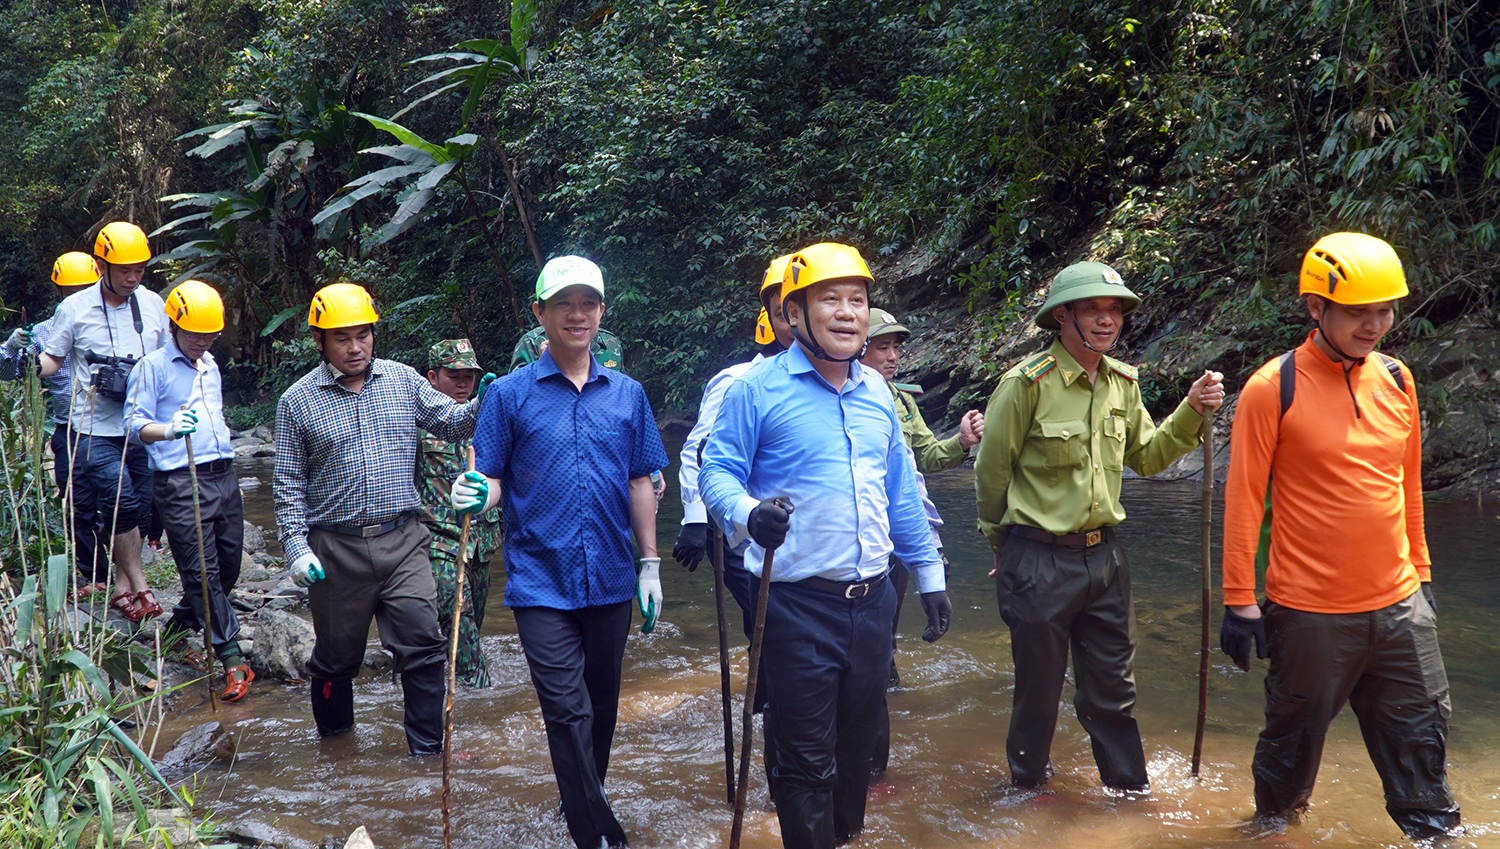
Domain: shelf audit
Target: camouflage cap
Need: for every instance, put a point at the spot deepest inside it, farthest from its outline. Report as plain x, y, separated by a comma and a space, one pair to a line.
452, 353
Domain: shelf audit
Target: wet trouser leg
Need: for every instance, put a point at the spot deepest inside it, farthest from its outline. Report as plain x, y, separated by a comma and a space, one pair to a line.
743, 586
223, 532
471, 669
1054, 598
575, 658
826, 662
1387, 665
389, 579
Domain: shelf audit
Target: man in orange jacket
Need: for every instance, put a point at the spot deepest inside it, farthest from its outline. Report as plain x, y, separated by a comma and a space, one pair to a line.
1332, 429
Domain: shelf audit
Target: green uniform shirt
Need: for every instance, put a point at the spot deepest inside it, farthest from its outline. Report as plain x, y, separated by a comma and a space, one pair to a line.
933, 454
1054, 445
607, 349
438, 463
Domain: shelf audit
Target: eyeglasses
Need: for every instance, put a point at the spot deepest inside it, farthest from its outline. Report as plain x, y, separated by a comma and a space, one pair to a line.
200, 338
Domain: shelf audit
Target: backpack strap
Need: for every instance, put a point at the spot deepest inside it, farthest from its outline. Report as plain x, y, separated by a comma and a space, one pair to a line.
1393, 366
1288, 380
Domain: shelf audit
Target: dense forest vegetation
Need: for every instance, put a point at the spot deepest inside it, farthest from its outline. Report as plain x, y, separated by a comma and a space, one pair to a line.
437, 152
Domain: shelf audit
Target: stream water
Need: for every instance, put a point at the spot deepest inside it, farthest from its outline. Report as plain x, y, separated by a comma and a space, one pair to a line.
948, 723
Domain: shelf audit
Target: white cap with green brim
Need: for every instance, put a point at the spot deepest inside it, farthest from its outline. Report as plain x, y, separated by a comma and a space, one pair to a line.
561, 272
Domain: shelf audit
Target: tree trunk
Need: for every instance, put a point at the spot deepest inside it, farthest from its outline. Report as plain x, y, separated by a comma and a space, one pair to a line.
515, 193
484, 230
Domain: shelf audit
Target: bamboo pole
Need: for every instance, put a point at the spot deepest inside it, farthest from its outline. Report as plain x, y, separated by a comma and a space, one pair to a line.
208, 613
458, 607
1207, 520
727, 697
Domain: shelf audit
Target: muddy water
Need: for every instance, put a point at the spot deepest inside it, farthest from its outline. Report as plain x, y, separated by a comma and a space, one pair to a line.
666, 776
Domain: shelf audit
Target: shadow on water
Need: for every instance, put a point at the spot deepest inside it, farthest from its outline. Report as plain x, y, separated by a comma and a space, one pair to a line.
948, 724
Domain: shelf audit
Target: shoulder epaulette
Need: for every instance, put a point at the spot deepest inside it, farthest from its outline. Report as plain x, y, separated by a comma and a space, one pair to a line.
1127, 371
913, 388
1033, 369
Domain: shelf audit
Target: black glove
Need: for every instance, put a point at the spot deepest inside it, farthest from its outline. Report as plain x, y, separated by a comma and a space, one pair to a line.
692, 543
769, 521
1427, 594
939, 611
1235, 635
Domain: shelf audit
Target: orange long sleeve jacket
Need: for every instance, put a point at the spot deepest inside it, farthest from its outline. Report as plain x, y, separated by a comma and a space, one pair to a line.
1344, 466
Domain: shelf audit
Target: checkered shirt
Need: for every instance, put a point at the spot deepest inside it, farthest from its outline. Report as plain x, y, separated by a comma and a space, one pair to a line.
347, 458
59, 385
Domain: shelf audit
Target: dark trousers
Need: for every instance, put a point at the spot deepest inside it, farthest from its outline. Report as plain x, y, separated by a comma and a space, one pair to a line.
1055, 598
92, 560
389, 579
1387, 666
827, 659
223, 533
105, 502
575, 658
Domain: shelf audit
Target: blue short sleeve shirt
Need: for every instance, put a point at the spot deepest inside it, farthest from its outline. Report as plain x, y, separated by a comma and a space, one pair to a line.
565, 458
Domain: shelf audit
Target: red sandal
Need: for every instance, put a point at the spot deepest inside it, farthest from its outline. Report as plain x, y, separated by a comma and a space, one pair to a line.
236, 687
83, 593
124, 601
146, 601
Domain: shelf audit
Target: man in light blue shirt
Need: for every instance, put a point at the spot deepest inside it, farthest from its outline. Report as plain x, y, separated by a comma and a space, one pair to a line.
814, 427
176, 391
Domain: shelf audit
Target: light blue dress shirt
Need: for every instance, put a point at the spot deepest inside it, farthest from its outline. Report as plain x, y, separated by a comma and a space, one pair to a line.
840, 457
159, 385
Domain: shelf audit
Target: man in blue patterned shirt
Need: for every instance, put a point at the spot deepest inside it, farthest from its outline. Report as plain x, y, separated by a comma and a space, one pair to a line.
346, 447
572, 445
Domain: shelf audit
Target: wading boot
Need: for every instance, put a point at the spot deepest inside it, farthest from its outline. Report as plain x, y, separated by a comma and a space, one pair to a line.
1427, 823
332, 706
424, 690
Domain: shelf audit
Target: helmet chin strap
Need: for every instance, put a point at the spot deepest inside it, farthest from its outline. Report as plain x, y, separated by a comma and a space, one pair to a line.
109, 283
1084, 339
1328, 340
818, 351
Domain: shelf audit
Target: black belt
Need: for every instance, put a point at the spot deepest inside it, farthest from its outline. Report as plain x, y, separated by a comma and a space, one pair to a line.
1082, 539
847, 589
212, 467
365, 531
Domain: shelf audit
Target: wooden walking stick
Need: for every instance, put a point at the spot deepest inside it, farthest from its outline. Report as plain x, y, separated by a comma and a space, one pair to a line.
757, 637
1207, 514
717, 561
208, 614
458, 608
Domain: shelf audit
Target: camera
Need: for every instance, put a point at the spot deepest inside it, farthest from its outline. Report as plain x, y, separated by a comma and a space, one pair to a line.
111, 380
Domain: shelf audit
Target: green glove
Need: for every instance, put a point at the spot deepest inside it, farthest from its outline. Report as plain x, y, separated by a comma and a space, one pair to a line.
648, 592
471, 492
484, 383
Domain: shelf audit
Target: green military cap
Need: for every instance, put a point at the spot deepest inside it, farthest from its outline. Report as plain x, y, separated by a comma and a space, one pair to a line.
452, 353
1085, 280
882, 322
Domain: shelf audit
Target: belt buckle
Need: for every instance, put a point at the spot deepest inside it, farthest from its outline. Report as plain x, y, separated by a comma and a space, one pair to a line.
864, 590
1093, 538
368, 531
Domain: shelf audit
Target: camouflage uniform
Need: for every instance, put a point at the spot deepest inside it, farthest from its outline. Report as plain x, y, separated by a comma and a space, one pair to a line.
438, 463
607, 349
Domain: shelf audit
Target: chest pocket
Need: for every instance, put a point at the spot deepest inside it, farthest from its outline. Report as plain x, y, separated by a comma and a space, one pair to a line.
1112, 443
1063, 444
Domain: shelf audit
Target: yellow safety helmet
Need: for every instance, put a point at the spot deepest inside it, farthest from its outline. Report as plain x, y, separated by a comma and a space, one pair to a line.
1352, 268
764, 335
122, 243
774, 274
75, 268
341, 305
823, 261
195, 307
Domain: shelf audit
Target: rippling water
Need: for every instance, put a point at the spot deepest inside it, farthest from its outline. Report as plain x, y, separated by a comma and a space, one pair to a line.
948, 724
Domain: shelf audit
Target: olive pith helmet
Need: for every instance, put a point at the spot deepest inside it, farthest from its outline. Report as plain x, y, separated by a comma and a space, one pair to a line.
764, 335
563, 271
341, 305
1083, 280
122, 243
452, 353
773, 277
823, 261
75, 268
195, 307
883, 323
1352, 268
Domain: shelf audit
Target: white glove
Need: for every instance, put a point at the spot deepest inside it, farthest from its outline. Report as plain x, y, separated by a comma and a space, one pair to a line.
19, 338
183, 423
307, 570
472, 493
648, 592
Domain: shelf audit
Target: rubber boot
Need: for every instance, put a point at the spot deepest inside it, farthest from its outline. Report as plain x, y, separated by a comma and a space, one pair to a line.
1424, 823
332, 706
424, 689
